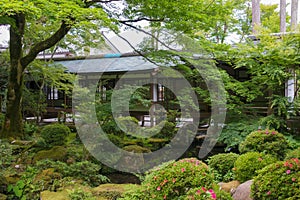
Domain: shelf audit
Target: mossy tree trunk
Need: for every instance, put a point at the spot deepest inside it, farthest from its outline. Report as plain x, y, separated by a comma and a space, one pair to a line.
13, 119
13, 125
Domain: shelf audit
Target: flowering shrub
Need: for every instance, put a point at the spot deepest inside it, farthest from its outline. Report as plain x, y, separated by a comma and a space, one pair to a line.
293, 154
222, 165
174, 180
280, 180
268, 141
207, 194
246, 165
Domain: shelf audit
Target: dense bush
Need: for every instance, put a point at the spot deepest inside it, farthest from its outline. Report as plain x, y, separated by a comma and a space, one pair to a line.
222, 165
164, 129
2, 117
293, 154
55, 134
85, 170
6, 156
280, 180
203, 193
246, 165
237, 129
267, 141
173, 180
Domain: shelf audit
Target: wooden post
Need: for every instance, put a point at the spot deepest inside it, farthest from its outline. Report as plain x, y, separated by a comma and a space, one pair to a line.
255, 15
294, 13
282, 16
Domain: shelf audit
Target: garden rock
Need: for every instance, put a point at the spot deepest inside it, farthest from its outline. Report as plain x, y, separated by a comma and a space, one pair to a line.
229, 187
243, 191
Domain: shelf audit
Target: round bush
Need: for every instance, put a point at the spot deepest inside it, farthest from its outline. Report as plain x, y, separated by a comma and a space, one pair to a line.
173, 180
55, 134
246, 165
267, 141
207, 194
222, 165
280, 180
293, 154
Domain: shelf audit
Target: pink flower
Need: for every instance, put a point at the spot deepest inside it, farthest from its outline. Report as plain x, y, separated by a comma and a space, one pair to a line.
213, 194
269, 192
293, 179
267, 132
288, 171
165, 197
273, 132
198, 192
158, 188
183, 169
203, 189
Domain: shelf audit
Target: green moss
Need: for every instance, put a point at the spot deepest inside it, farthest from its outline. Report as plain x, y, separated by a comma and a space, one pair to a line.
3, 197
110, 191
56, 153
61, 195
136, 149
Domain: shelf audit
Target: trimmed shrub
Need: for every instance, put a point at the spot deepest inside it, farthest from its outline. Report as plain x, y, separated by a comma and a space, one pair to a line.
246, 165
280, 180
222, 165
293, 154
173, 180
86, 171
267, 141
207, 194
55, 134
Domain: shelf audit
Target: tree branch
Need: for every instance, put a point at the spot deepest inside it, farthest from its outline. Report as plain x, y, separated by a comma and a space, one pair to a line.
88, 3
136, 50
46, 44
141, 19
151, 35
102, 1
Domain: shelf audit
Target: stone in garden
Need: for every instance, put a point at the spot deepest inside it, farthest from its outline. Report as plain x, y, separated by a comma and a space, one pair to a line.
243, 191
229, 187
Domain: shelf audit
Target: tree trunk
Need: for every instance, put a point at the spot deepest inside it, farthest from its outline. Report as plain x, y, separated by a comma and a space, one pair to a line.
282, 16
294, 13
255, 15
13, 125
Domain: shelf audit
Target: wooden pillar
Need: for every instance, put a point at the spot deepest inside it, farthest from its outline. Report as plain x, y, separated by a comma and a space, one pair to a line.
255, 15
294, 13
282, 16
154, 96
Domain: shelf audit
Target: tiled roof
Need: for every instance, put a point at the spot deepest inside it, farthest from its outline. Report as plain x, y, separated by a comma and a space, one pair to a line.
114, 64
